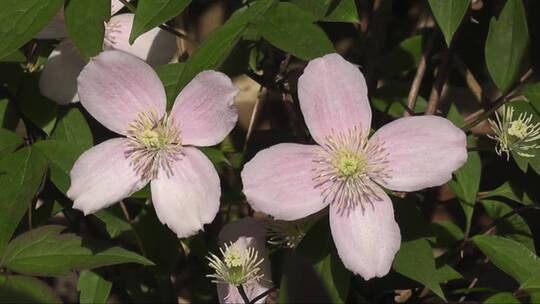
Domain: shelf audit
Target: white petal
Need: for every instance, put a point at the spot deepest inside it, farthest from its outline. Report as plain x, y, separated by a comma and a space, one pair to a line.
189, 198
102, 176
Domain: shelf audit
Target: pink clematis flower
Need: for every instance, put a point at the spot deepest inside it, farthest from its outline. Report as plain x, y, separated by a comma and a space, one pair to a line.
59, 77
347, 171
240, 237
124, 94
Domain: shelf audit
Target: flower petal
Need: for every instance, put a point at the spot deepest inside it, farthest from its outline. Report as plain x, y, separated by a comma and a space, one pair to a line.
102, 176
115, 87
56, 29
247, 226
189, 198
366, 241
58, 80
423, 151
333, 97
155, 46
279, 181
116, 5
204, 110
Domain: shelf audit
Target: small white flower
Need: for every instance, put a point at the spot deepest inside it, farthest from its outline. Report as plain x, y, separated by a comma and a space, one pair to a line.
239, 264
516, 135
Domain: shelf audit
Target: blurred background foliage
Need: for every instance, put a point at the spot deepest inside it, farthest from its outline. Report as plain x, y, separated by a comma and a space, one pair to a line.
474, 239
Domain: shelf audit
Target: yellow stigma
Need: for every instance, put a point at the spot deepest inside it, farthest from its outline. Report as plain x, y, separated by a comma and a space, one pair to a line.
233, 257
350, 164
518, 128
151, 139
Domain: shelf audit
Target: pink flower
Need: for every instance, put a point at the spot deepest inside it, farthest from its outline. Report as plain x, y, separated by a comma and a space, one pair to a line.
245, 235
59, 77
347, 171
124, 94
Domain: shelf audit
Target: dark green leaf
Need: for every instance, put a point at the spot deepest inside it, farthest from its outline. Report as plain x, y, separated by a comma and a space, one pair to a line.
93, 288
513, 227
532, 92
72, 128
449, 14
331, 10
415, 260
85, 23
508, 255
21, 20
40, 110
502, 298
447, 233
403, 57
45, 252
507, 45
510, 191
152, 13
114, 221
21, 174
447, 273
286, 20
61, 156
9, 141
169, 75
21, 289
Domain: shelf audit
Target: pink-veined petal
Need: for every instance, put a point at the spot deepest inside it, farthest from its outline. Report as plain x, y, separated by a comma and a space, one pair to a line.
58, 80
155, 46
247, 231
333, 97
367, 241
103, 176
116, 5
423, 151
189, 198
116, 87
204, 110
56, 29
279, 181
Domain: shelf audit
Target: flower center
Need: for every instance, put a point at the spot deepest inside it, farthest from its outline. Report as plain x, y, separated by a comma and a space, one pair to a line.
346, 167
350, 164
239, 265
154, 144
518, 129
233, 257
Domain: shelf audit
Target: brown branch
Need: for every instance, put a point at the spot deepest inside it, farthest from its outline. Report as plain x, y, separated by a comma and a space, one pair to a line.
470, 80
439, 85
418, 77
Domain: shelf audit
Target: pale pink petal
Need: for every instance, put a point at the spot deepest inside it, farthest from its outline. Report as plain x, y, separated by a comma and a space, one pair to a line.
279, 181
116, 87
102, 176
204, 110
116, 5
155, 46
423, 151
368, 240
58, 80
240, 234
189, 198
333, 97
56, 29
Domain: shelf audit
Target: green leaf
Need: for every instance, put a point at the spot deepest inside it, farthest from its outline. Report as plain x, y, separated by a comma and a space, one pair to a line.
331, 10
169, 75
85, 23
40, 110
72, 128
9, 141
318, 249
512, 191
93, 288
532, 93
392, 100
22, 289
415, 260
61, 156
21, 175
217, 47
45, 252
447, 273
502, 298
216, 156
449, 14
114, 221
507, 45
466, 182
21, 20
513, 227
447, 233
287, 20
508, 255
532, 284
152, 13
403, 57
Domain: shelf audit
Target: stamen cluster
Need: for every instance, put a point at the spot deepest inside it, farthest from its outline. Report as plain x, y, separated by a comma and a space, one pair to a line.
287, 233
345, 169
154, 144
516, 135
238, 265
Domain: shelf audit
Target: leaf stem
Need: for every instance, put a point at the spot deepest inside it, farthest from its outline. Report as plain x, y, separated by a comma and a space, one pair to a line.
164, 26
